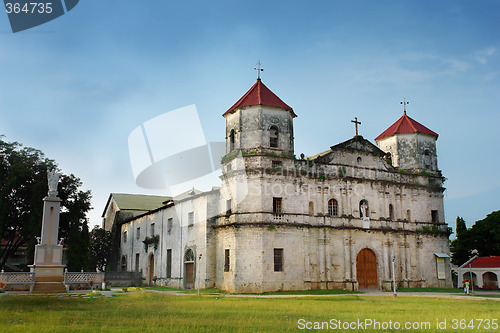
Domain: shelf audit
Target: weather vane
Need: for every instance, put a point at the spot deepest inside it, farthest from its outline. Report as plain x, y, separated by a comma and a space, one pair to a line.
258, 69
405, 103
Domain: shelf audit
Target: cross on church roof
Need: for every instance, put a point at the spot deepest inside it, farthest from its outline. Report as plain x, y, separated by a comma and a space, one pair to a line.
404, 102
258, 69
356, 123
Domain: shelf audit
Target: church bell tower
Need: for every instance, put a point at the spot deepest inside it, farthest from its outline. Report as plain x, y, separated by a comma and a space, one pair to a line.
260, 121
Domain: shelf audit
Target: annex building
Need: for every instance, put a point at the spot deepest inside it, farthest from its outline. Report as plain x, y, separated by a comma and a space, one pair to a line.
355, 216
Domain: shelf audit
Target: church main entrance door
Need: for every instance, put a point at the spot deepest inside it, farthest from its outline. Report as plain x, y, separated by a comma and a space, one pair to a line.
366, 269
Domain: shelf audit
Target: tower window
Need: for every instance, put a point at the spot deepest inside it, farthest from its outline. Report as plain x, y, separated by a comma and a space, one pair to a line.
408, 215
391, 212
427, 158
333, 207
277, 208
434, 216
273, 137
231, 140
125, 236
228, 207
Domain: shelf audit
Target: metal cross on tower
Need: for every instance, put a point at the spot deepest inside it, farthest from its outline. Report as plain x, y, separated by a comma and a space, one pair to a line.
405, 103
356, 123
258, 69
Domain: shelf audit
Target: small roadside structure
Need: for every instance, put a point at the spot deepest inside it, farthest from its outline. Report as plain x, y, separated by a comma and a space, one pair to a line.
482, 271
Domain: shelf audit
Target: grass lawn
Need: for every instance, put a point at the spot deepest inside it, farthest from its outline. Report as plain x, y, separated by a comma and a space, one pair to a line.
144, 311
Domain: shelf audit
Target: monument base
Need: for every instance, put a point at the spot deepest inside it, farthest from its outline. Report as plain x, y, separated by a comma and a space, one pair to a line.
49, 285
49, 273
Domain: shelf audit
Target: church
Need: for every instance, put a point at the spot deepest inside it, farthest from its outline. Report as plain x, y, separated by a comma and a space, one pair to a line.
357, 216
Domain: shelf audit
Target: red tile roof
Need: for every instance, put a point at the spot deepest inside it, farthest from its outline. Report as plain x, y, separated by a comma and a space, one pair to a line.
405, 125
259, 94
485, 262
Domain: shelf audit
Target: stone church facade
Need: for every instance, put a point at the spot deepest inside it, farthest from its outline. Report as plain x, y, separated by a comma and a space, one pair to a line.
356, 216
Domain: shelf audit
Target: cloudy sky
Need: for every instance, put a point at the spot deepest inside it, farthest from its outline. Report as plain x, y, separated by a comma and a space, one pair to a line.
77, 86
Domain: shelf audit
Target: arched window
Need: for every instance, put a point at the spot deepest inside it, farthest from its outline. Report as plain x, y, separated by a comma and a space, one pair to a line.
408, 215
124, 263
391, 212
427, 158
311, 208
364, 209
189, 257
273, 137
231, 140
333, 207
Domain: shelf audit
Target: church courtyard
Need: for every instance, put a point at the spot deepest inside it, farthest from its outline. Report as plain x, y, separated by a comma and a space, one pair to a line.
148, 311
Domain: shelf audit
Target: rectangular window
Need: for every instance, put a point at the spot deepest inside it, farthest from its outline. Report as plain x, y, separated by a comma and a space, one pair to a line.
434, 216
276, 164
228, 207
125, 236
138, 233
170, 224
278, 260
226, 260
277, 209
169, 263
190, 219
137, 262
152, 229
441, 274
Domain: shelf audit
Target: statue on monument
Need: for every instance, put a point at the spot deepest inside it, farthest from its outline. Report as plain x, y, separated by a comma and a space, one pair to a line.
53, 179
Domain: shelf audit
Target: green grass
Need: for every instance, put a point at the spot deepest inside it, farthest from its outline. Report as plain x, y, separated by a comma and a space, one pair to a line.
154, 312
309, 292
160, 288
208, 291
430, 290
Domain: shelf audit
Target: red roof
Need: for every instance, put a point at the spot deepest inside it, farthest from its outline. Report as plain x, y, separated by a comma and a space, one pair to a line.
485, 262
405, 125
259, 94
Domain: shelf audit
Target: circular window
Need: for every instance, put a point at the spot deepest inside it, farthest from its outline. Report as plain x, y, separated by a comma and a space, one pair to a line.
360, 159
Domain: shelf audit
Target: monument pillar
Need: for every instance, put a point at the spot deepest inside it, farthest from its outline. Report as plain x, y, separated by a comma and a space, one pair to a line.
48, 254
48, 267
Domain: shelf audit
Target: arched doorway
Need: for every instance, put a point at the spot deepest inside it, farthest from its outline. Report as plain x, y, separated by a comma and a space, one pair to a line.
366, 269
151, 269
189, 269
490, 280
466, 276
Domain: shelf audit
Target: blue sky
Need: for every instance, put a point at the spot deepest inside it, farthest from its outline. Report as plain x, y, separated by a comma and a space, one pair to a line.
77, 86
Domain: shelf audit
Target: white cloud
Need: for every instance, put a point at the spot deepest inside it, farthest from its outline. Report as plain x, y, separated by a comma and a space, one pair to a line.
483, 56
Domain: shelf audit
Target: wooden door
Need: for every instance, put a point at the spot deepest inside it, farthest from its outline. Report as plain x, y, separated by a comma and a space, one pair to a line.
189, 278
151, 269
366, 269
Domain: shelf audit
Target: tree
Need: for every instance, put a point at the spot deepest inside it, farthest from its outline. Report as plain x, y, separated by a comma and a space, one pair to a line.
482, 239
461, 246
100, 245
485, 235
23, 185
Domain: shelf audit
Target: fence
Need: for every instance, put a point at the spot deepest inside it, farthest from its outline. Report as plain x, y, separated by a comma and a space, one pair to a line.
82, 280
17, 281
